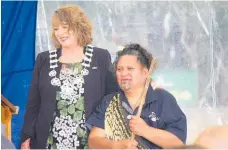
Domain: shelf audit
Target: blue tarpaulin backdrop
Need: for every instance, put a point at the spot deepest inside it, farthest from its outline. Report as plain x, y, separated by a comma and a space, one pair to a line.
17, 56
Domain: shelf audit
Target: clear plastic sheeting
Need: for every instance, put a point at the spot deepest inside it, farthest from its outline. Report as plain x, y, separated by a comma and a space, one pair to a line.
189, 40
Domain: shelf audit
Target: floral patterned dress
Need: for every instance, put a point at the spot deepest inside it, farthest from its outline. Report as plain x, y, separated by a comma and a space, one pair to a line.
68, 130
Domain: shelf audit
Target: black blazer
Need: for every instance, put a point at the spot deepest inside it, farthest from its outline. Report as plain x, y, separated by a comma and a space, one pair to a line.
42, 95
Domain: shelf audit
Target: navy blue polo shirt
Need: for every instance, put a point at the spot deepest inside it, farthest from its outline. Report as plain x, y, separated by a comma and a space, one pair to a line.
159, 111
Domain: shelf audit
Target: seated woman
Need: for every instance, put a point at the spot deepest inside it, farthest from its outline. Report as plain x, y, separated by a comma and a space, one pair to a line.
162, 123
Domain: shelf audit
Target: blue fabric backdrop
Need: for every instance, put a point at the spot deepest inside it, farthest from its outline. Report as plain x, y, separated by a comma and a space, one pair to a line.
18, 27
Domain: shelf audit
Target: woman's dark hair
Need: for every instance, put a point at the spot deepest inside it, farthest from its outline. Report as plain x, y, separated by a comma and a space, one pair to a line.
143, 56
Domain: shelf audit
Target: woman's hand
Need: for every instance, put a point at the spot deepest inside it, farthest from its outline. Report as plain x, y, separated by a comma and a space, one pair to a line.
138, 126
26, 144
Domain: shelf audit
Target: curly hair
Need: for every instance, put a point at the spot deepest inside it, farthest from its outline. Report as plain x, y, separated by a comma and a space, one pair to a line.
143, 56
75, 17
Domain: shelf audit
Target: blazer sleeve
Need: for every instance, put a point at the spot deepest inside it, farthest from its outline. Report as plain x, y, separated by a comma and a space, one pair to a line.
110, 80
33, 105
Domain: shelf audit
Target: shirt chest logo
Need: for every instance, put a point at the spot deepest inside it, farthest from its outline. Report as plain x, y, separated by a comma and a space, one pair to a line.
153, 117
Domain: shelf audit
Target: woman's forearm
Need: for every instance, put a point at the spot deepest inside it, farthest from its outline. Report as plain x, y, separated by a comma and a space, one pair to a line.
97, 142
162, 138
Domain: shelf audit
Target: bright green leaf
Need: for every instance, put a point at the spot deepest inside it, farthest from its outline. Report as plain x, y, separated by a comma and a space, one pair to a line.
80, 103
63, 112
58, 95
54, 146
61, 104
50, 140
79, 68
77, 116
71, 109
81, 132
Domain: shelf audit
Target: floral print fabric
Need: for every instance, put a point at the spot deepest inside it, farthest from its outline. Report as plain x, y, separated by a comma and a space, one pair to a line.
68, 130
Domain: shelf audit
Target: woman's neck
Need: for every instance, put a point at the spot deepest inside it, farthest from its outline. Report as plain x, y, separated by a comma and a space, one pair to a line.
71, 55
134, 96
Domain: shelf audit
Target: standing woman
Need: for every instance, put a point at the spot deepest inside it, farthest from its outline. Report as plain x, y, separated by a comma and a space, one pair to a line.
67, 85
